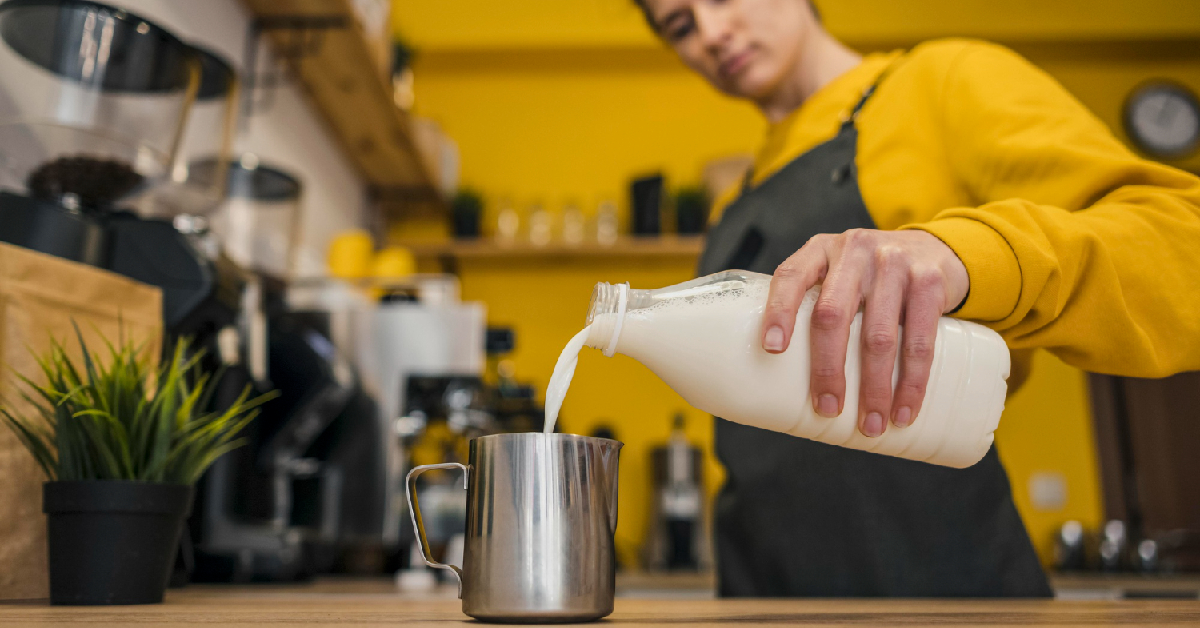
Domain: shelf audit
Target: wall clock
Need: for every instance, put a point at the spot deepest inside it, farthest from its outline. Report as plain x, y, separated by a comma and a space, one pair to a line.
1163, 120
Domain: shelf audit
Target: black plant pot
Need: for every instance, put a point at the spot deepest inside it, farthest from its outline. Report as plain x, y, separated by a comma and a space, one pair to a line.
691, 214
466, 213
112, 541
466, 223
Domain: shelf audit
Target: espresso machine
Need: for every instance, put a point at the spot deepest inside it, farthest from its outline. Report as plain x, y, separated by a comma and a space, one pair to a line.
424, 350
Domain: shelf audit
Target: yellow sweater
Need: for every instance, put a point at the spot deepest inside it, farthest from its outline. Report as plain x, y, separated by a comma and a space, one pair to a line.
1072, 243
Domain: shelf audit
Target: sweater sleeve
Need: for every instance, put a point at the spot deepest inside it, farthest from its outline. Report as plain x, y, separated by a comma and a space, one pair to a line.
1075, 244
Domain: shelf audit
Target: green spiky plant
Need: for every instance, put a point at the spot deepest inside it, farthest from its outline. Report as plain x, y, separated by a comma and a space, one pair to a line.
127, 420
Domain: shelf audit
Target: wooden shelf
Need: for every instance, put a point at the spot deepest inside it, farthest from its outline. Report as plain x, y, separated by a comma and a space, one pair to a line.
684, 247
349, 90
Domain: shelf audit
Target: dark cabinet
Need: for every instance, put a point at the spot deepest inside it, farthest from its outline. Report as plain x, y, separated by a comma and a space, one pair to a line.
1148, 442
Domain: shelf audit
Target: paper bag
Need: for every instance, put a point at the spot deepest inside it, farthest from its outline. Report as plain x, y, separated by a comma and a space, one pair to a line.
40, 296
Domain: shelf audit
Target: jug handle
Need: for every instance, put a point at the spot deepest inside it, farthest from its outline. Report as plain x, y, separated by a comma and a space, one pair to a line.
414, 510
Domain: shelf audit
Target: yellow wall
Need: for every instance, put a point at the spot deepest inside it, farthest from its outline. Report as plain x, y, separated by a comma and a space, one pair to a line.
437, 25
532, 126
552, 101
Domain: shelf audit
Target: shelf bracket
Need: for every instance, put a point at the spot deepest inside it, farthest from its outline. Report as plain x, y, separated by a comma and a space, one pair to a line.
304, 36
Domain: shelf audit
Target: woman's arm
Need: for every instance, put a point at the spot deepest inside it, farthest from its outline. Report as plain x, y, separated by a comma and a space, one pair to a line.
1075, 245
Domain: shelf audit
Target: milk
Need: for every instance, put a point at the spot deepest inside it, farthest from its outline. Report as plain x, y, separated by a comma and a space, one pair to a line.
560, 381
703, 338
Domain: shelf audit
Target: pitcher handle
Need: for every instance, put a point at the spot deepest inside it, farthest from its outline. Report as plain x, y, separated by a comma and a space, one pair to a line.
414, 510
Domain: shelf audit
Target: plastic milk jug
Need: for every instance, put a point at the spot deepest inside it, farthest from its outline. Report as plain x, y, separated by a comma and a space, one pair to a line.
703, 338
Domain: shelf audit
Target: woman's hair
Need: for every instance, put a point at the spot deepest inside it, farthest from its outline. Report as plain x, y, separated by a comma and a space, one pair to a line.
646, 13
654, 27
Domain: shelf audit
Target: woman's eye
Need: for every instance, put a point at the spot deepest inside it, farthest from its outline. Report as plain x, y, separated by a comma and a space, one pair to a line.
679, 30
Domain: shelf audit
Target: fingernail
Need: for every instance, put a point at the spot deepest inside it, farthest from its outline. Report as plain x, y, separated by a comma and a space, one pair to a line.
903, 417
873, 425
827, 406
774, 339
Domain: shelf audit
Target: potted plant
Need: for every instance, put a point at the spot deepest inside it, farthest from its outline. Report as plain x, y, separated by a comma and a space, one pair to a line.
691, 211
466, 214
121, 442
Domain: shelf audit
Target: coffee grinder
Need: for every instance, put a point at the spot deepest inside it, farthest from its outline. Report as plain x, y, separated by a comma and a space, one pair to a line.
96, 102
313, 483
196, 184
91, 119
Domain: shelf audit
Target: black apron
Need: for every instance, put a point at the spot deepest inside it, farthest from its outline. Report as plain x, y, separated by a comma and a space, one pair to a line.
802, 518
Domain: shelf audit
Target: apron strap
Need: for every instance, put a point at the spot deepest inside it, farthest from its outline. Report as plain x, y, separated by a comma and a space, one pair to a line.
848, 119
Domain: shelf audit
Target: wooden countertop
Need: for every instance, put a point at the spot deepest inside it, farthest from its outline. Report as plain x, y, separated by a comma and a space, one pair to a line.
378, 605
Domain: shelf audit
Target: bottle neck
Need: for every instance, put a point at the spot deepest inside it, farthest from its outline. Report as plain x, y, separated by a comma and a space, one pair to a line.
606, 299
600, 331
606, 316
610, 303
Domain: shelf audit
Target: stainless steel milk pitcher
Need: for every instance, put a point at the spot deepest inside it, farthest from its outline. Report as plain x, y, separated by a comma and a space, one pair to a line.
541, 512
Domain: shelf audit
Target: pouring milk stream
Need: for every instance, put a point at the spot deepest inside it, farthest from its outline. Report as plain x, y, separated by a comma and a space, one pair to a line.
702, 337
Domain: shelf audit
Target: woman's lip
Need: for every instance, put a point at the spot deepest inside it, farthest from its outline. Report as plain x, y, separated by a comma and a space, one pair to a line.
735, 64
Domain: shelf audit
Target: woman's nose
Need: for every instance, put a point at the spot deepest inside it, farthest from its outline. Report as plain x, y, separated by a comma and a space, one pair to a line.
713, 25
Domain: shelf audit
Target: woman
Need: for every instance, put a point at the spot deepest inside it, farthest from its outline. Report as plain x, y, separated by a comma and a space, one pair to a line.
953, 178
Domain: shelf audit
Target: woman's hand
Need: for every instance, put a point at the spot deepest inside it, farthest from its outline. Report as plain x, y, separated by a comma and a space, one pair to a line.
904, 277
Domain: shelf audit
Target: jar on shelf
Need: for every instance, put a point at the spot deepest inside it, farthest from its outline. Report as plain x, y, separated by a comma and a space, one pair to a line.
607, 223
508, 223
573, 224
541, 225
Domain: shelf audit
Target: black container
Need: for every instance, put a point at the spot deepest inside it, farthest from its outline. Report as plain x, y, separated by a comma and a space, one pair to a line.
645, 203
691, 212
112, 541
466, 215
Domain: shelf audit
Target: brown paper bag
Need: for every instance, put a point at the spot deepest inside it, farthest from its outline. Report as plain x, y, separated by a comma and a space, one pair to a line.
39, 297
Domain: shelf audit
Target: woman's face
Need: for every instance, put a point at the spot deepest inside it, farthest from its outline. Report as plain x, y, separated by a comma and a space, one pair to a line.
745, 48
